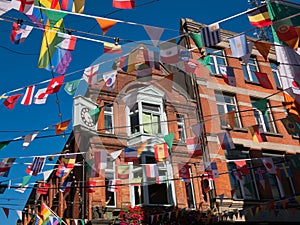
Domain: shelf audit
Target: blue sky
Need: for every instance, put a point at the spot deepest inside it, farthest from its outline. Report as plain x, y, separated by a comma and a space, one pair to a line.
19, 69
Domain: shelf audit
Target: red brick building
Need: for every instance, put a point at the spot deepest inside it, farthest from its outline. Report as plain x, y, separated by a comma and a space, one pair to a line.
141, 111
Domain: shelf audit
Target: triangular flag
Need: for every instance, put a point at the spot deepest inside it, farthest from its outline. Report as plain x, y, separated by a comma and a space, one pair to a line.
61, 127
19, 213
54, 16
263, 48
169, 140
46, 174
105, 24
11, 101
94, 113
197, 129
154, 33
228, 118
197, 38
115, 155
6, 211
263, 80
3, 144
245, 58
261, 105
25, 180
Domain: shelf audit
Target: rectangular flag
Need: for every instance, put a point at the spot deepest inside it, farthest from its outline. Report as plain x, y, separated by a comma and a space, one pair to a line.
291, 126
43, 188
19, 33
151, 58
62, 170
67, 42
71, 86
61, 127
239, 46
67, 5
211, 35
131, 155
36, 166
184, 172
194, 147
123, 171
228, 75
69, 160
225, 140
211, 169
55, 84
259, 17
123, 4
5, 166
263, 80
257, 133
269, 164
40, 96
28, 96
169, 53
151, 170
192, 66
90, 74
90, 186
100, 159
29, 138
161, 152
110, 78
113, 185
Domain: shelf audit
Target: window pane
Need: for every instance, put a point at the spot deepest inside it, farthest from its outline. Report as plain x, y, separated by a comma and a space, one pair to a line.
246, 75
134, 123
147, 123
156, 124
158, 194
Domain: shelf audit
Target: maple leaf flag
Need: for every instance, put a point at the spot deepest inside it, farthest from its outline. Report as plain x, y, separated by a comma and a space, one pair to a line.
54, 85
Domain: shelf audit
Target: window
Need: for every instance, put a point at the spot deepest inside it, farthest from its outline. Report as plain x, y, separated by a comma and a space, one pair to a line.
151, 192
227, 103
265, 120
244, 186
108, 118
217, 58
149, 121
249, 70
181, 127
190, 195
276, 75
110, 197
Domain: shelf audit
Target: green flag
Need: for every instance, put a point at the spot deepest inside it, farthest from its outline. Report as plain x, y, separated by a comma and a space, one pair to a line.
291, 126
280, 10
25, 180
60, 220
94, 113
197, 38
82, 221
261, 105
205, 61
71, 86
169, 140
3, 144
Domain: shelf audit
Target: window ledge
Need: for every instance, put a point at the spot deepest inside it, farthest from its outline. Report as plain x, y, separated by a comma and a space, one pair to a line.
273, 134
252, 82
236, 129
296, 137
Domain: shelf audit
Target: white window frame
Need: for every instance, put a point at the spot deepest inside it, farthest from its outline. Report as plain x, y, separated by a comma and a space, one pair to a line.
250, 73
181, 126
111, 115
214, 56
113, 172
260, 120
168, 172
237, 123
276, 75
192, 189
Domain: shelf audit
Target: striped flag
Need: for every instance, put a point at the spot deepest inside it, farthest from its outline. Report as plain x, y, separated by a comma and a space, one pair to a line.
43, 188
239, 46
68, 42
161, 152
211, 35
65, 187
112, 48
100, 160
211, 169
130, 155
40, 96
28, 96
194, 147
123, 171
151, 170
36, 166
19, 33
29, 138
225, 140
90, 186
259, 17
113, 185
257, 133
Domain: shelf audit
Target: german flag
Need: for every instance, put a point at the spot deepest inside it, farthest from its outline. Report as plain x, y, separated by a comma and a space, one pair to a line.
259, 17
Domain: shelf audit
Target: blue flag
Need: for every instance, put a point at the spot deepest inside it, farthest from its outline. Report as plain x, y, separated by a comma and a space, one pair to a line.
239, 46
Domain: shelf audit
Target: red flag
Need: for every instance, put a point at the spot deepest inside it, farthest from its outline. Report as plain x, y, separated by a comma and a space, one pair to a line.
54, 85
43, 189
184, 172
123, 4
263, 80
11, 101
161, 152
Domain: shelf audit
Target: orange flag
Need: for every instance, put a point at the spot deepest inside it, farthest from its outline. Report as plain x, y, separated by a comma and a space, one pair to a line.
61, 127
105, 24
292, 107
263, 48
228, 118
